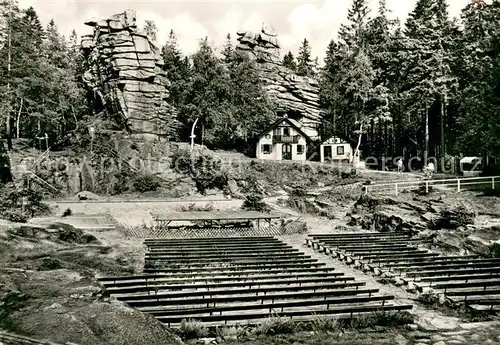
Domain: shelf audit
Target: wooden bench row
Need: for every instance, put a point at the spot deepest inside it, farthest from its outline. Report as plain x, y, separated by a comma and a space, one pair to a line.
215, 255
216, 240
205, 274
193, 312
222, 285
221, 251
265, 263
349, 311
359, 234
207, 247
453, 275
262, 290
143, 305
244, 278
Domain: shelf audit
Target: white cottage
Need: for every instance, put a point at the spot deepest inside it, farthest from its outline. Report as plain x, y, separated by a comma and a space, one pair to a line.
336, 149
284, 140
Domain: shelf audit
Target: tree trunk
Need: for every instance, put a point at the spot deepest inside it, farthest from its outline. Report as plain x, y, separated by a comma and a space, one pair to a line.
356, 152
443, 143
9, 67
426, 151
19, 119
202, 133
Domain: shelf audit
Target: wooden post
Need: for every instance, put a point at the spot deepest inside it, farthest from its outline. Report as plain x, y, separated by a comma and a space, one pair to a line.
427, 187
493, 183
396, 189
458, 185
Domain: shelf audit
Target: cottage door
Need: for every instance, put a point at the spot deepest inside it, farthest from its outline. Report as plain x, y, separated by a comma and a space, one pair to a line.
327, 153
286, 152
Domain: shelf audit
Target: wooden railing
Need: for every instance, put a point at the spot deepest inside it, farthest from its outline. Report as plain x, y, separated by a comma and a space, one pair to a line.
456, 184
287, 139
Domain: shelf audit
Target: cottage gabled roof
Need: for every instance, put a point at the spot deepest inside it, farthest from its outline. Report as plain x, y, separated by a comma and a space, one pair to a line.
293, 123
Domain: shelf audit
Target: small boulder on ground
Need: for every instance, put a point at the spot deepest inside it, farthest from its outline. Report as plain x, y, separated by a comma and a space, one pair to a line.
85, 195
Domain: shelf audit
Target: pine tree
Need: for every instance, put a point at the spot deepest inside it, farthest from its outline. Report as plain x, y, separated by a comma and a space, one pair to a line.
9, 20
430, 80
330, 93
289, 61
352, 34
227, 50
174, 63
253, 109
379, 47
151, 30
478, 64
304, 62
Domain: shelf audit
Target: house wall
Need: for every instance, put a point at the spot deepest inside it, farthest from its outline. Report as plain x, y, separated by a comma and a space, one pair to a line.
348, 152
268, 139
303, 155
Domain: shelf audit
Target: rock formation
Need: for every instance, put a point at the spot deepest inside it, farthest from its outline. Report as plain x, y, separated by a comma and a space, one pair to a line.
125, 76
296, 96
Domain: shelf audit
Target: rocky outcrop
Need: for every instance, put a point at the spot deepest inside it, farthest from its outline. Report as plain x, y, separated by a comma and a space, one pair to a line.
125, 76
296, 96
5, 173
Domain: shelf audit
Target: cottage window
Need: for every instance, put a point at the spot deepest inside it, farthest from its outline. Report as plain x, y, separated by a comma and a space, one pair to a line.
300, 149
266, 149
286, 132
340, 150
277, 131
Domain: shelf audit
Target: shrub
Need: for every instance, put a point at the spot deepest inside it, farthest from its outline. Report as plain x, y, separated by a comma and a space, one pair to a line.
192, 329
197, 208
146, 183
275, 324
429, 299
14, 215
18, 205
324, 323
67, 212
205, 170
231, 334
254, 202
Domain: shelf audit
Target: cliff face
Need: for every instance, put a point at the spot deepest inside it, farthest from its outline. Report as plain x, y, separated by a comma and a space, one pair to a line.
124, 72
294, 95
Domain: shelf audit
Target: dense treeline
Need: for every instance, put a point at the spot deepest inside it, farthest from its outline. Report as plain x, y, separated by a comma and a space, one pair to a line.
430, 87
39, 77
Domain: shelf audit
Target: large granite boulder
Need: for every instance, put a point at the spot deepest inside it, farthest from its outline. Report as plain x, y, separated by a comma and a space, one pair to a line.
294, 95
125, 76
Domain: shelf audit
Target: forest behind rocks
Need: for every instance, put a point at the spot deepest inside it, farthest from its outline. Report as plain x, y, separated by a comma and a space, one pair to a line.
426, 87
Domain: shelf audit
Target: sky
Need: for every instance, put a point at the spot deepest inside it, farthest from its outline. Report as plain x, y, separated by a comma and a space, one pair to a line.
191, 20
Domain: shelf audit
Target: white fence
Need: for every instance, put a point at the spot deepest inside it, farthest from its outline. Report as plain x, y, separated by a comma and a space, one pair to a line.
456, 184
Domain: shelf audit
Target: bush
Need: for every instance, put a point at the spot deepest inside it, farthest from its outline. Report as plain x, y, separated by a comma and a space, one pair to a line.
19, 205
429, 299
276, 325
194, 207
146, 183
205, 170
254, 202
14, 215
67, 212
324, 323
231, 334
192, 329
